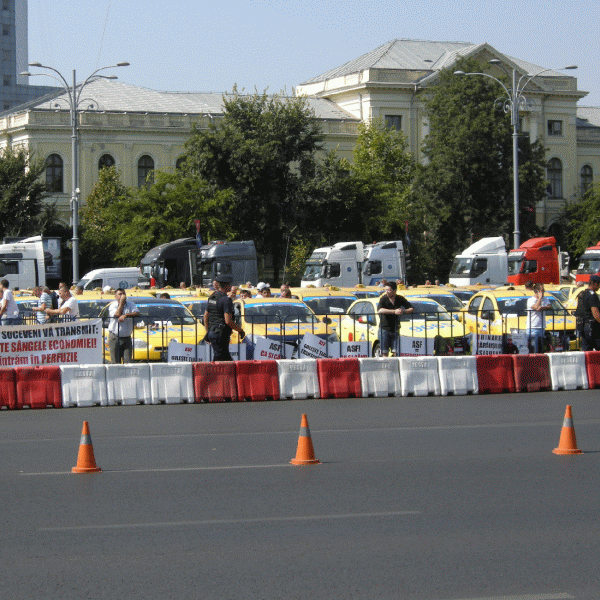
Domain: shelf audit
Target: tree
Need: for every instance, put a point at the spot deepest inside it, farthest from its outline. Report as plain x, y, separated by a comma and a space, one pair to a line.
465, 191
263, 149
581, 220
21, 193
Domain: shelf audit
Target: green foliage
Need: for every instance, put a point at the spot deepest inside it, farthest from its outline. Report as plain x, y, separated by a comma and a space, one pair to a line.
299, 253
581, 220
21, 193
465, 191
263, 149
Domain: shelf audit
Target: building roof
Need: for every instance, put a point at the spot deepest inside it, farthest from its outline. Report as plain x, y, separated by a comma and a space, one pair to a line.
116, 96
588, 117
417, 55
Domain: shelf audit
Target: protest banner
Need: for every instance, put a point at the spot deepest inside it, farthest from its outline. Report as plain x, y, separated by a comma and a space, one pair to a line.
354, 349
77, 342
312, 346
268, 349
178, 352
416, 346
487, 344
518, 340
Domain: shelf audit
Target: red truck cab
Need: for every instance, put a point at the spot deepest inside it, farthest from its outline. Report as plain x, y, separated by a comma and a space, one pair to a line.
589, 263
535, 260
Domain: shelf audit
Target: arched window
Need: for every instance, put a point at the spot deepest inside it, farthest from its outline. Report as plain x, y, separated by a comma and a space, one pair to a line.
106, 160
555, 170
179, 163
54, 173
145, 168
587, 178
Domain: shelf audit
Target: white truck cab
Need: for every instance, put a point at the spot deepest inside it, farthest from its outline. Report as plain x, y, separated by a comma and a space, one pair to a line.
23, 263
340, 265
485, 261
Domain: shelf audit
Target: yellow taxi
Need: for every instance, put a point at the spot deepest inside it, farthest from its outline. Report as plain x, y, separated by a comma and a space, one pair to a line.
504, 312
326, 303
160, 322
284, 320
429, 330
441, 295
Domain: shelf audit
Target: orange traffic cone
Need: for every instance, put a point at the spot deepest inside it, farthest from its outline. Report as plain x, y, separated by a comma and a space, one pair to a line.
86, 463
305, 454
568, 442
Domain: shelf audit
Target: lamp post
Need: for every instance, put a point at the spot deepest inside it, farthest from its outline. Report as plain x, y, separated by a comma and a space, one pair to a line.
74, 100
512, 103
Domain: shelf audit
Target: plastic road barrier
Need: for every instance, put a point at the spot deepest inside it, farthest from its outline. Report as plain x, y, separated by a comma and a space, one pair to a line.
171, 383
257, 380
128, 384
495, 373
380, 377
458, 375
214, 381
38, 387
8, 388
568, 371
592, 365
339, 377
419, 376
298, 379
84, 385
532, 372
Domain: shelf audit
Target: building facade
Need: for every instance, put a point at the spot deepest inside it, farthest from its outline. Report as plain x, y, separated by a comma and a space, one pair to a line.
141, 130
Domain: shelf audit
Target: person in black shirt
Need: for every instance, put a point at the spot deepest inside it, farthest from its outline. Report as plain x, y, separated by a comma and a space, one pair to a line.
588, 309
390, 308
218, 319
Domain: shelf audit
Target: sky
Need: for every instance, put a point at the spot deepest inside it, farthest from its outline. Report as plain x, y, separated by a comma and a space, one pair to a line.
201, 46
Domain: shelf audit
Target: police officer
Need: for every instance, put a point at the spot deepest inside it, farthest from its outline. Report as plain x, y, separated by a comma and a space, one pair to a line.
588, 313
218, 319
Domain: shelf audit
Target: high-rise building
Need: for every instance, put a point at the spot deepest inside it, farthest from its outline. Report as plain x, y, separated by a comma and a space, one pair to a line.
15, 88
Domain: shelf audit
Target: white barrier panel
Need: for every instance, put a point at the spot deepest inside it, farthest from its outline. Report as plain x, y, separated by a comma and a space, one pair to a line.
128, 384
298, 379
380, 377
171, 383
568, 370
458, 375
84, 385
419, 376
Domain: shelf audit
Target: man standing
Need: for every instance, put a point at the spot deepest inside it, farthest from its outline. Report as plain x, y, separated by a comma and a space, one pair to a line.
121, 311
68, 307
588, 315
44, 302
536, 323
391, 306
9, 311
218, 319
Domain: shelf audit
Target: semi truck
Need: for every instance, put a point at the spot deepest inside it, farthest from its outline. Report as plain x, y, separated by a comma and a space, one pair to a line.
23, 263
486, 261
183, 261
347, 264
589, 263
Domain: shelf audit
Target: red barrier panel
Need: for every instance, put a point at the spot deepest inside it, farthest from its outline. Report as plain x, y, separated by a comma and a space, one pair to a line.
214, 381
592, 365
8, 390
257, 380
495, 373
38, 387
339, 377
532, 372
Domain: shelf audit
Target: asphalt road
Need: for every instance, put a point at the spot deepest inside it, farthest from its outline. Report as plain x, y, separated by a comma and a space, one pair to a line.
417, 498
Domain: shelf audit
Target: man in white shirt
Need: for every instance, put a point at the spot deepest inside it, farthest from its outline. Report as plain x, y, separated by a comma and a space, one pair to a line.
536, 323
68, 308
122, 313
9, 311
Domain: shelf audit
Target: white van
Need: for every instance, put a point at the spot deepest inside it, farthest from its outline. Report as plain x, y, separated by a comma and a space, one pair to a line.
122, 277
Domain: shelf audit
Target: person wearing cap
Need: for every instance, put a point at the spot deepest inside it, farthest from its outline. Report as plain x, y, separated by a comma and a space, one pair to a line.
218, 319
588, 315
265, 291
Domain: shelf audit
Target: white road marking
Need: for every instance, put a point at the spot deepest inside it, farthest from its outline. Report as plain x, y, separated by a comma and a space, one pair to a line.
549, 596
234, 521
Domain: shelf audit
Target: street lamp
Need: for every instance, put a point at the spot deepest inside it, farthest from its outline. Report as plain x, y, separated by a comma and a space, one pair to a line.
74, 101
512, 103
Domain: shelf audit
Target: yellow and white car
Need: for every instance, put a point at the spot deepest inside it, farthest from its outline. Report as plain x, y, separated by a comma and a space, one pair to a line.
160, 321
502, 312
429, 330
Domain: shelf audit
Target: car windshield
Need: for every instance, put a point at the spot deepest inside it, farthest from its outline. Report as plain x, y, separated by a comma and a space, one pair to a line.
327, 305
518, 305
464, 295
161, 312
89, 309
430, 311
197, 308
449, 301
278, 313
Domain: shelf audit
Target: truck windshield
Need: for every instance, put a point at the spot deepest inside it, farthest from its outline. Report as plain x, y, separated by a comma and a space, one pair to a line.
589, 264
461, 266
313, 271
83, 282
373, 267
146, 271
514, 265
